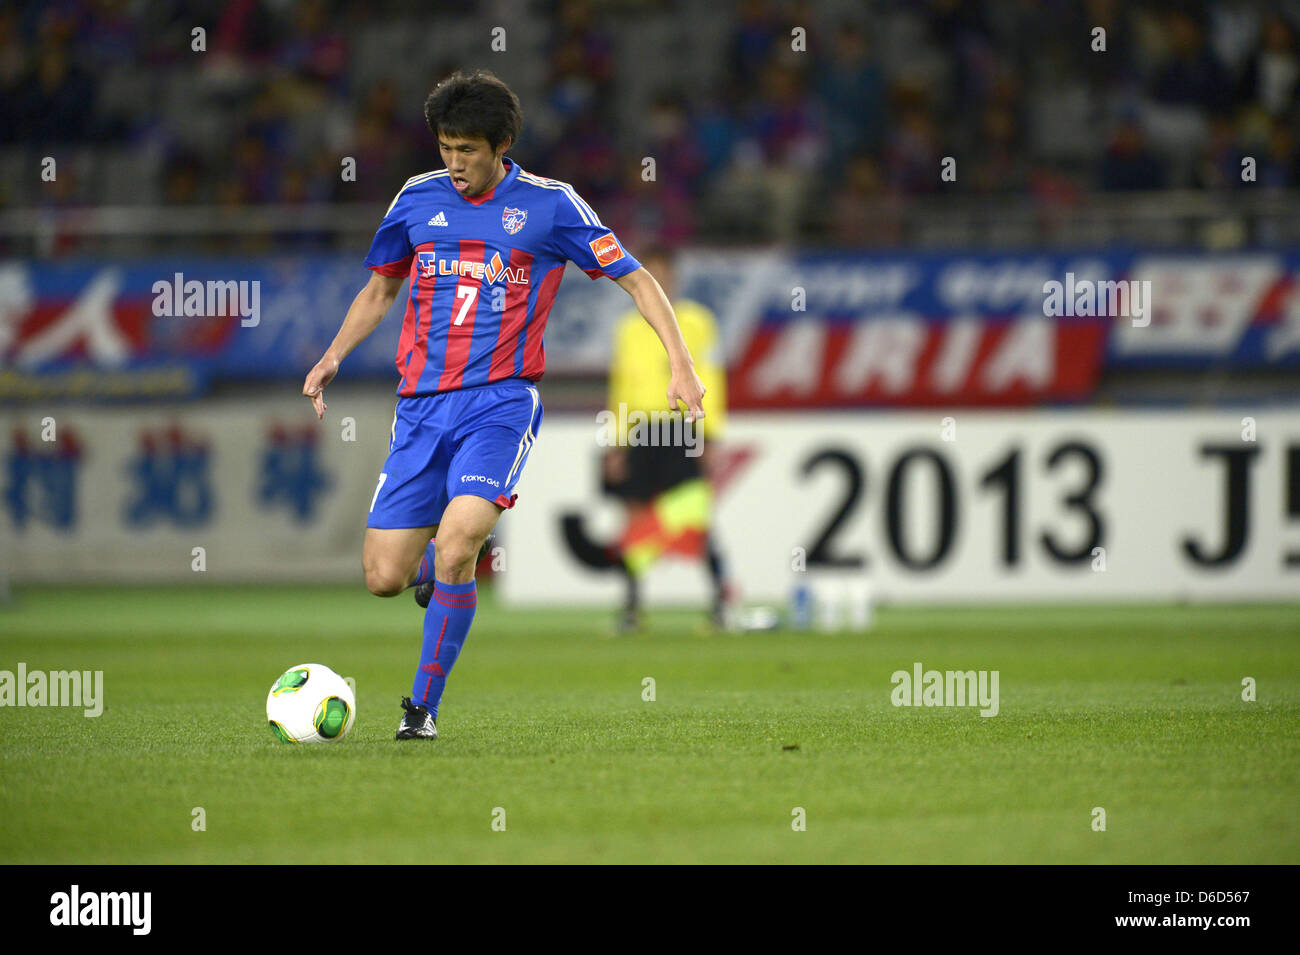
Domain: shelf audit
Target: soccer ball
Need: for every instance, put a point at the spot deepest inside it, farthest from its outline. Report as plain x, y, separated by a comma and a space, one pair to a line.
310, 703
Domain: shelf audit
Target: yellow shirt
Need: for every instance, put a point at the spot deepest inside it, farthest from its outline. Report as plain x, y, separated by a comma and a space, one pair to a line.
639, 372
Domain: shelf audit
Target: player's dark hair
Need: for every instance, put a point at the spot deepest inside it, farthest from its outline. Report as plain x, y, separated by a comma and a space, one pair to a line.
473, 105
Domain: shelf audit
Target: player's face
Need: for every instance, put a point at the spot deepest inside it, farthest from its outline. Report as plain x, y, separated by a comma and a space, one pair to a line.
475, 167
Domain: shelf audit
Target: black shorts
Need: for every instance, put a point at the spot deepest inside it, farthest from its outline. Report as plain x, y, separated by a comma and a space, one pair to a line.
653, 469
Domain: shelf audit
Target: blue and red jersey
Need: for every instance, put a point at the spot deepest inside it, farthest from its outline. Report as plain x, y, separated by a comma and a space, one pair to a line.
484, 271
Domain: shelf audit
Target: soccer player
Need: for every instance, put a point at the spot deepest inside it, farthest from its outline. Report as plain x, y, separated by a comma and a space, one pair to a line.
484, 244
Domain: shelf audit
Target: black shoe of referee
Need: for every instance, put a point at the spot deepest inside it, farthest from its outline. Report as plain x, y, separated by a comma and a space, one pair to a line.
424, 591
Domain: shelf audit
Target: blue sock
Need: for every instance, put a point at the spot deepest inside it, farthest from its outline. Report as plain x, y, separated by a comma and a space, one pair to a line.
446, 625
425, 573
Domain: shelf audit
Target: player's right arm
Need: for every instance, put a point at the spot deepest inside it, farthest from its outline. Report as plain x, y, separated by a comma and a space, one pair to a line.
389, 261
367, 311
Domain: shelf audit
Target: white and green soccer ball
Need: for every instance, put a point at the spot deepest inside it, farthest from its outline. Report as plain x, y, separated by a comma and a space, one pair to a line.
310, 703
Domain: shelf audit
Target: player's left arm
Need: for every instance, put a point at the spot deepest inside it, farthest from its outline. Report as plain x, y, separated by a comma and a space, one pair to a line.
683, 383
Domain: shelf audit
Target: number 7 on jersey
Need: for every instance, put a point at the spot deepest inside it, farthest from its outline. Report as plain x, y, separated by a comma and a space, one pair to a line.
469, 293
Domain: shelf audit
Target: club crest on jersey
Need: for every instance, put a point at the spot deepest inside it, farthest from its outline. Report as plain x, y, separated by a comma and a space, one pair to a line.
512, 220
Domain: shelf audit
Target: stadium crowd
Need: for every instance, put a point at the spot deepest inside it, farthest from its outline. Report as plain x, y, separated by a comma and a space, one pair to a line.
755, 132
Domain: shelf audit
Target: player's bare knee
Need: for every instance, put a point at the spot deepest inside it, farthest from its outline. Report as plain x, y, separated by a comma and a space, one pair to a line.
455, 557
384, 581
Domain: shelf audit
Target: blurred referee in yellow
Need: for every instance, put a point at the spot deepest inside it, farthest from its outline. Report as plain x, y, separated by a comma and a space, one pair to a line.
666, 487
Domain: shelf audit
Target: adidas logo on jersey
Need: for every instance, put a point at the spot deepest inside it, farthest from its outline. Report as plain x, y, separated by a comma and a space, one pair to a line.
439, 219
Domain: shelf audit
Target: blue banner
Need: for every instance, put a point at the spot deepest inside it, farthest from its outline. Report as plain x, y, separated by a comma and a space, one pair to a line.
179, 323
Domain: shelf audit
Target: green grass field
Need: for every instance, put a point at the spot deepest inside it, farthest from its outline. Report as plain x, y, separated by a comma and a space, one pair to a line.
1136, 710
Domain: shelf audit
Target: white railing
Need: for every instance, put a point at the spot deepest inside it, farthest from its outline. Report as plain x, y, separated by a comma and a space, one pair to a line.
1223, 220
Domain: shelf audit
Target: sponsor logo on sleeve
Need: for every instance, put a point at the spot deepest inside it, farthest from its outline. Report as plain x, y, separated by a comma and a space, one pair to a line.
606, 249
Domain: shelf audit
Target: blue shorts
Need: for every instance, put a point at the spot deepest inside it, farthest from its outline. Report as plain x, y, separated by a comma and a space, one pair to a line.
472, 441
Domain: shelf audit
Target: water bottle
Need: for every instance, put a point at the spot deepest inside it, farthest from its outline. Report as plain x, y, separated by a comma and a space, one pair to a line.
800, 606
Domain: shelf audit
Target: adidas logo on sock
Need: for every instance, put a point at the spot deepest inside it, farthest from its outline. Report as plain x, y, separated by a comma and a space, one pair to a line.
439, 219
